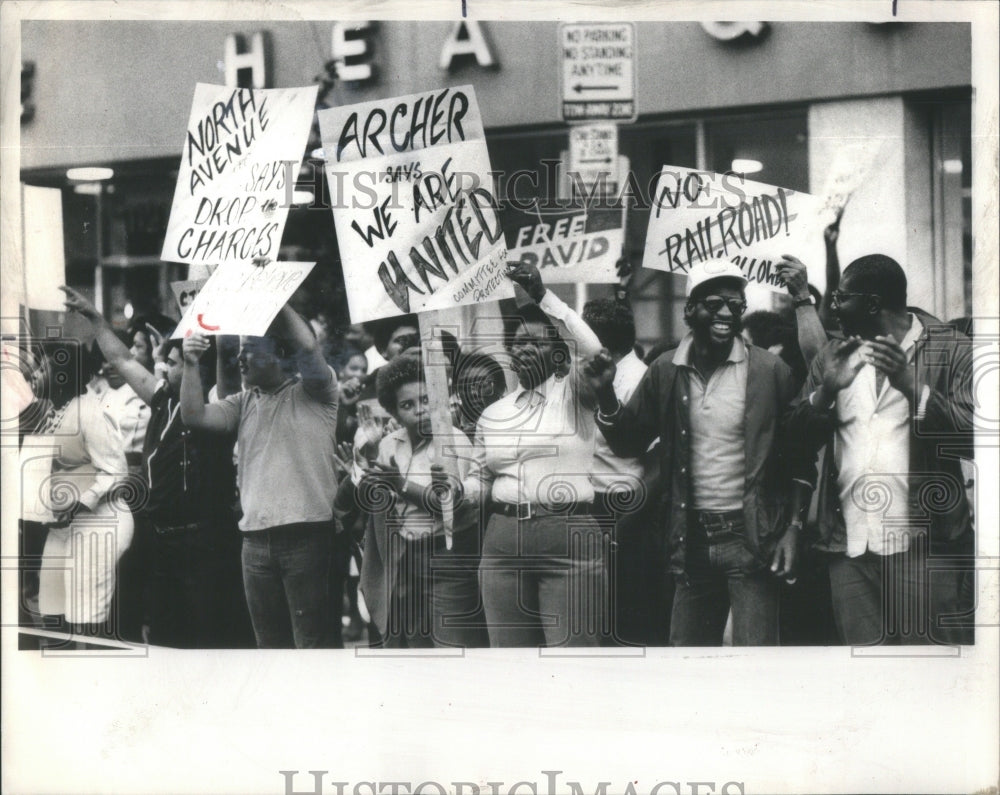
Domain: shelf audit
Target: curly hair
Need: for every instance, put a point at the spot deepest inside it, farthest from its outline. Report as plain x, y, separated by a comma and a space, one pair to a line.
612, 322
406, 368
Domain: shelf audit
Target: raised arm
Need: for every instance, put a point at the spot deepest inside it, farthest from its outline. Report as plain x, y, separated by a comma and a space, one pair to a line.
227, 368
318, 379
194, 411
809, 327
830, 235
114, 350
629, 430
528, 277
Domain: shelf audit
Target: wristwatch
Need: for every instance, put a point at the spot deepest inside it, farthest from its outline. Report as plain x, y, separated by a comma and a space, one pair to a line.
807, 301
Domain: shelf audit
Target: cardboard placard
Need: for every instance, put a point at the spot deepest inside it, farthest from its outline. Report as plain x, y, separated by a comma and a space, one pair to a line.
567, 245
701, 215
417, 223
242, 299
242, 152
186, 291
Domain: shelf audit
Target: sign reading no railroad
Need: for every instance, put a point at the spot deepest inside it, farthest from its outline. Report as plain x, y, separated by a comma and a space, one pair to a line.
598, 71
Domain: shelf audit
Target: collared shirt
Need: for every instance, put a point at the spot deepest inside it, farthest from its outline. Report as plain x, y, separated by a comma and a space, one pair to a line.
286, 439
91, 454
610, 469
395, 449
716, 410
129, 411
871, 449
537, 446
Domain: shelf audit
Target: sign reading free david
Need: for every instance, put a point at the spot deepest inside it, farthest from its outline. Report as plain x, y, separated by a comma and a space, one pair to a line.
568, 245
418, 226
241, 148
701, 215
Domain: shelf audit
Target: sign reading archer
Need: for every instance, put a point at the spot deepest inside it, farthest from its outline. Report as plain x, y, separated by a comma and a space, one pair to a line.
701, 215
598, 71
417, 224
241, 148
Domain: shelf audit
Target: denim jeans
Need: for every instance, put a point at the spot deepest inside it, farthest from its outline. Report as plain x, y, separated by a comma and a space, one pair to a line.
544, 582
286, 577
723, 573
435, 600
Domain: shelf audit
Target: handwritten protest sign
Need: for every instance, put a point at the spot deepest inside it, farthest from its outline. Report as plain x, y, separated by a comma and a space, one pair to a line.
242, 299
186, 291
574, 244
417, 223
701, 215
848, 171
242, 151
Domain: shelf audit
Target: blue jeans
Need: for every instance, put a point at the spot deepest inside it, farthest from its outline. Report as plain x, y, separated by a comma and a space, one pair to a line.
722, 573
543, 581
286, 577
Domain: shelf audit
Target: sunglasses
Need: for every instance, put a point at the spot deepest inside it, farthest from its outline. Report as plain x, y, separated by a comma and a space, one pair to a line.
714, 304
839, 296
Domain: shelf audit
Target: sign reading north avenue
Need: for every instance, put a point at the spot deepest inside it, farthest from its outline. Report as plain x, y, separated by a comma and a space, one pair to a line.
598, 71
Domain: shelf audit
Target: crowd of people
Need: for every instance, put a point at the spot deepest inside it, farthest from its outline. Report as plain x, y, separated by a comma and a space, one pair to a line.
789, 477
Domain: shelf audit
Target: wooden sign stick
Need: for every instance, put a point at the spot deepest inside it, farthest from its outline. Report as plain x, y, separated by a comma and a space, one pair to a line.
436, 379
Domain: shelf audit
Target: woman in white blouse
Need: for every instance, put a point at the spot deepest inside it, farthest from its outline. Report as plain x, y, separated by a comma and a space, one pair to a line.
91, 524
542, 570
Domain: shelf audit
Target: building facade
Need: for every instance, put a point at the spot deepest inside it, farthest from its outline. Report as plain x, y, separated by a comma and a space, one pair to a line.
788, 95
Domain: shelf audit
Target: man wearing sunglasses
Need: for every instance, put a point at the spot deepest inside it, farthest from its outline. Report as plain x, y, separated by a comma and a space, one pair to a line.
716, 404
893, 403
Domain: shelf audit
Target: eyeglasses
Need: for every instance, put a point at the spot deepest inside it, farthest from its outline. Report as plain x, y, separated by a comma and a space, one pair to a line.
714, 304
839, 296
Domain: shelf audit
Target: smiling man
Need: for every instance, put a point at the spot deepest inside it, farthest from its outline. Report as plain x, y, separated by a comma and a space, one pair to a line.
716, 404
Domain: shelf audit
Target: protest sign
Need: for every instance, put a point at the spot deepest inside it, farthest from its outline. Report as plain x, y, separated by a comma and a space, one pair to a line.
568, 244
848, 171
242, 299
701, 215
44, 255
417, 223
186, 291
242, 152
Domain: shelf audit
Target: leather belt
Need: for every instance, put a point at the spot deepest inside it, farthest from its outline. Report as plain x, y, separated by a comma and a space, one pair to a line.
531, 510
719, 521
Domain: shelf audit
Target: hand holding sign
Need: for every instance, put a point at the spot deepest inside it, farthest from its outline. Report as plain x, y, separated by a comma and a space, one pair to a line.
194, 347
793, 273
526, 276
832, 231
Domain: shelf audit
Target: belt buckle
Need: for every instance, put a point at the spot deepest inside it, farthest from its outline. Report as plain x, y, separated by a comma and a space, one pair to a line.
714, 524
527, 511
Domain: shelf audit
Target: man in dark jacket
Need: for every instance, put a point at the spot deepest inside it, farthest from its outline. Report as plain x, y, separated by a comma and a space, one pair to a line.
716, 405
893, 403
